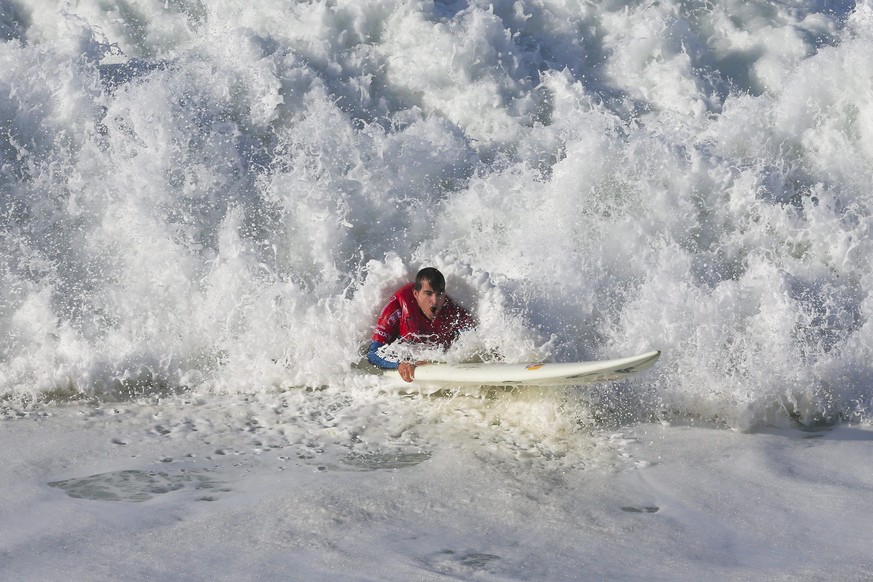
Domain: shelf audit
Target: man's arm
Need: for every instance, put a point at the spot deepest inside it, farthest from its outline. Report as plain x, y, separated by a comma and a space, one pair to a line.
374, 358
463, 321
406, 369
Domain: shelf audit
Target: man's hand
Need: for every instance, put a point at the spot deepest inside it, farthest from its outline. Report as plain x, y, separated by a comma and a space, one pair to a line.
407, 371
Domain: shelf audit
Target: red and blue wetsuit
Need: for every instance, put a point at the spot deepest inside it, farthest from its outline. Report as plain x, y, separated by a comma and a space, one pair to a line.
403, 319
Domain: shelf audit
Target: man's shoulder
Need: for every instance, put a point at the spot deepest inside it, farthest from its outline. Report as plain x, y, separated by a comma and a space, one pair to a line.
454, 306
405, 292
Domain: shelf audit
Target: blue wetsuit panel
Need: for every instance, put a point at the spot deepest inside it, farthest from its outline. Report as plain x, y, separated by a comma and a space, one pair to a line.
374, 358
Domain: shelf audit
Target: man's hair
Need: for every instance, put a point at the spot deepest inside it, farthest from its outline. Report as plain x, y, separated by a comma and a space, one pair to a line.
432, 276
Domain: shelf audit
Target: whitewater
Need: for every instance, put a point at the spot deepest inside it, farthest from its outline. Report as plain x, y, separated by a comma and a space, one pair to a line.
205, 205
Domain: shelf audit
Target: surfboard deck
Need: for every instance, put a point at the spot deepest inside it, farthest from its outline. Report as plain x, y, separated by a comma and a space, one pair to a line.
534, 374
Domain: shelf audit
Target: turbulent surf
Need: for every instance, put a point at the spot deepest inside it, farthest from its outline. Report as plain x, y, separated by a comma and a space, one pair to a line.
219, 196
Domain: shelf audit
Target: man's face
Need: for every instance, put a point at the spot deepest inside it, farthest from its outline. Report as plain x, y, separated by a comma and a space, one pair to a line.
428, 300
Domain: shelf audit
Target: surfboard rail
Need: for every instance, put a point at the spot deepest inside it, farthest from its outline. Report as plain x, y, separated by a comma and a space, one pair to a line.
532, 373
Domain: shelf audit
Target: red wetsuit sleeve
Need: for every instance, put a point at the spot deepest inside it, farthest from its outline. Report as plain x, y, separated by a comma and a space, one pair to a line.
463, 321
388, 325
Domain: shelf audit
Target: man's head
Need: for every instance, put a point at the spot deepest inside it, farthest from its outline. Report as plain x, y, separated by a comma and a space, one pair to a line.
430, 291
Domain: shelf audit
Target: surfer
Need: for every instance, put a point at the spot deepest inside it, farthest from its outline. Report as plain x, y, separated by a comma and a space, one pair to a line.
418, 312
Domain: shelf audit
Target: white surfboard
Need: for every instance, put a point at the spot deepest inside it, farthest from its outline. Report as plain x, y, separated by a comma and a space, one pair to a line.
534, 374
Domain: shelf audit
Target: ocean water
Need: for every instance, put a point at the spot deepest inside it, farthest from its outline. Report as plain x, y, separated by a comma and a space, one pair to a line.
205, 204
